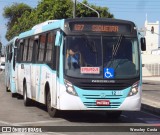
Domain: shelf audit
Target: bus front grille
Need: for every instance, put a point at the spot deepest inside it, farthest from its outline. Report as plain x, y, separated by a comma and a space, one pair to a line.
90, 101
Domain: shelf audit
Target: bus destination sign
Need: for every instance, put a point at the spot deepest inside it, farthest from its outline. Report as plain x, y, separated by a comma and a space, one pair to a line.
107, 28
98, 28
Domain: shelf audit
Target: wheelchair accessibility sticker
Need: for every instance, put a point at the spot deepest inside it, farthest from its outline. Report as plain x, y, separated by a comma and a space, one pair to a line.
108, 73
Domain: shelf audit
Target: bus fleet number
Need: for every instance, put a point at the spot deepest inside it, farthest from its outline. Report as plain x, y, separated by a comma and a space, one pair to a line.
117, 92
78, 27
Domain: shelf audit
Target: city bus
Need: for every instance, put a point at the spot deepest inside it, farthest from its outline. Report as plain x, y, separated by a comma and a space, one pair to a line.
81, 64
10, 66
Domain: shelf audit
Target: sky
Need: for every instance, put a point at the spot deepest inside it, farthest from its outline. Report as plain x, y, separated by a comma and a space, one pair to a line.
133, 10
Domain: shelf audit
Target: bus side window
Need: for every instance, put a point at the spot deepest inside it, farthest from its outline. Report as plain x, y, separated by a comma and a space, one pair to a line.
49, 45
21, 47
41, 48
25, 50
14, 58
7, 54
10, 53
35, 50
30, 48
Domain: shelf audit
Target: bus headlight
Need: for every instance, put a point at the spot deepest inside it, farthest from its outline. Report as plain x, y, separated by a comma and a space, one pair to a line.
70, 88
134, 89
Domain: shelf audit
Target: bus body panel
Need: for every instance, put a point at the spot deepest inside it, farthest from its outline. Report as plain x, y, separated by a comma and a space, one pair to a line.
20, 78
40, 77
34, 80
86, 100
9, 66
37, 76
132, 103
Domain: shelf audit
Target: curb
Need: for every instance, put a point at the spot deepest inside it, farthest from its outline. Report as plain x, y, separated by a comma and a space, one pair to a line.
150, 109
150, 82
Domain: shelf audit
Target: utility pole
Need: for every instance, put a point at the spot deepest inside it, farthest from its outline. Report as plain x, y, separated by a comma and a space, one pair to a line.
74, 8
90, 8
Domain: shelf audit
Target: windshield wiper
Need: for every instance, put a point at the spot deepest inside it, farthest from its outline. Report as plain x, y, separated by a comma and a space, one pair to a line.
115, 49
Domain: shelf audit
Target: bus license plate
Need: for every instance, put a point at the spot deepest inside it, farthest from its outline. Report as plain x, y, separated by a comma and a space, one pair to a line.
102, 102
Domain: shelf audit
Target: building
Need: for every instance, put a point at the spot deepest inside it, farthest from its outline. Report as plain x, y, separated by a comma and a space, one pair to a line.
152, 36
151, 57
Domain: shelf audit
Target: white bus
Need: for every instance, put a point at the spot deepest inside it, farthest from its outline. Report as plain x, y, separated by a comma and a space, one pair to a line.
10, 66
81, 64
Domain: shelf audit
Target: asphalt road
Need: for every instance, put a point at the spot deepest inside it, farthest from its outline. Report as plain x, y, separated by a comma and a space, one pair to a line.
14, 113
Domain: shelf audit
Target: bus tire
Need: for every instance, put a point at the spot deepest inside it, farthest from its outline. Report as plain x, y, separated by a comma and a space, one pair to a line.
51, 110
25, 98
14, 95
7, 89
113, 114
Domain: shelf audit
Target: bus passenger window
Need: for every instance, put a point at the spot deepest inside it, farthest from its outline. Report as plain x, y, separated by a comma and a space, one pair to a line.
25, 50
21, 51
50, 43
30, 48
42, 47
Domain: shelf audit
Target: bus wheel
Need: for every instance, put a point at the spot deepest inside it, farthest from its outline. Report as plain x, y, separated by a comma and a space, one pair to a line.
14, 95
7, 89
25, 98
51, 110
113, 114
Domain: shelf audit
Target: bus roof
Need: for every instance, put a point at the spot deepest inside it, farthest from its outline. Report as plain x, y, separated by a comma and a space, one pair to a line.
43, 27
95, 19
43, 24
63, 24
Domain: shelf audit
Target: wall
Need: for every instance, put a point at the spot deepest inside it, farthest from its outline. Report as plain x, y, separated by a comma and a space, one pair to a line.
152, 39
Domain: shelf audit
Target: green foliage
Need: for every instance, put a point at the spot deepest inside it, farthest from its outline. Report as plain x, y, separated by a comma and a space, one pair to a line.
54, 9
13, 13
22, 18
83, 11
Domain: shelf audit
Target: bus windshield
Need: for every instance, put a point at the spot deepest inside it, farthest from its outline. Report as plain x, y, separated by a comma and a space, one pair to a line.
102, 57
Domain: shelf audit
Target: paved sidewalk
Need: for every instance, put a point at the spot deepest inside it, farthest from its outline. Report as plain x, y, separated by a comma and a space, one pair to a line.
151, 94
148, 79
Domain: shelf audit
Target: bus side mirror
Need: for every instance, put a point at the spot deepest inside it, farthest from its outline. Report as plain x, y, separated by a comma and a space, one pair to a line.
143, 44
58, 39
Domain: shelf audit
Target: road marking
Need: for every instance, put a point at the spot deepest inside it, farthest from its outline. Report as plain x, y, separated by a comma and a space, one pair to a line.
151, 114
37, 122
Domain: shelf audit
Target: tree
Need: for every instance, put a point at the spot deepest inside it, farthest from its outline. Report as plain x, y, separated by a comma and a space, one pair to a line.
50, 10
12, 13
83, 11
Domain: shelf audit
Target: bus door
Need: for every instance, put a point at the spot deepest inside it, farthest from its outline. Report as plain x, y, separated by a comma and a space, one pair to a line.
34, 69
56, 77
35, 80
20, 68
14, 65
7, 66
16, 77
20, 76
41, 74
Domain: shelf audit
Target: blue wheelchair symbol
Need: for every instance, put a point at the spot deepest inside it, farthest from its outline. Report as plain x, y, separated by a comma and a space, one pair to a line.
108, 73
